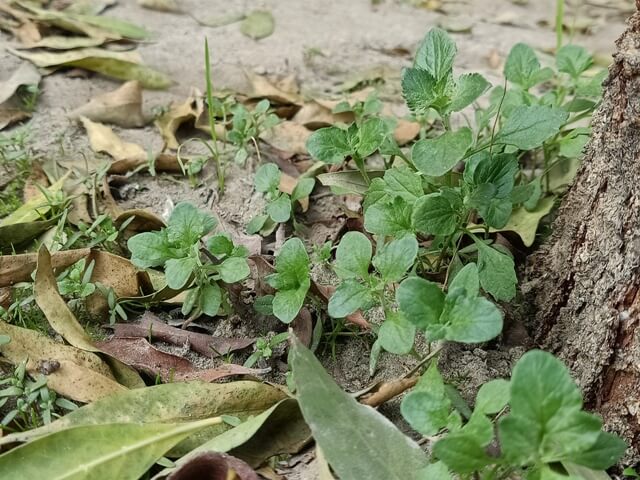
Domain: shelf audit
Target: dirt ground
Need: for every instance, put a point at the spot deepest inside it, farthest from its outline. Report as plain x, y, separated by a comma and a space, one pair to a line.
325, 44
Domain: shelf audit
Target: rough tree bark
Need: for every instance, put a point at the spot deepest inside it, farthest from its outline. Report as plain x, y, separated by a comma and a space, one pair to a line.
584, 283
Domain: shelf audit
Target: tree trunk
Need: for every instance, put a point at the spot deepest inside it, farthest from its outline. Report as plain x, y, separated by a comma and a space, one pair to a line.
584, 283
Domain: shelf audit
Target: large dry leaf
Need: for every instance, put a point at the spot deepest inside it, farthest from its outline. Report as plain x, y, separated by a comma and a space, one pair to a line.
283, 93
188, 111
213, 466
102, 139
315, 114
12, 236
122, 107
207, 345
288, 136
97, 452
35, 208
120, 65
18, 268
62, 42
26, 74
171, 402
82, 376
144, 357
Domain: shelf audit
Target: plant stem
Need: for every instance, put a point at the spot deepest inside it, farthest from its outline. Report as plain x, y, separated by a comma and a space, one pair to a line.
212, 126
559, 23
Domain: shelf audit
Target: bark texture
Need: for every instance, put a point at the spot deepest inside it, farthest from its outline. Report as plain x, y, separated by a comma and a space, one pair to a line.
584, 284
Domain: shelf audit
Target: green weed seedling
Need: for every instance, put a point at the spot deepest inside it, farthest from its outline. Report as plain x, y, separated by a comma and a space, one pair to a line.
544, 429
264, 348
75, 282
187, 264
280, 206
247, 125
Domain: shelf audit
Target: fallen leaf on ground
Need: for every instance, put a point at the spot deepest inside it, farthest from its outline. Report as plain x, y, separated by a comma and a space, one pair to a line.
207, 345
314, 115
213, 466
171, 402
34, 209
188, 111
36, 181
82, 376
102, 139
14, 235
258, 24
406, 131
27, 33
18, 268
9, 116
62, 42
302, 326
25, 74
288, 136
160, 5
262, 87
122, 107
143, 221
288, 184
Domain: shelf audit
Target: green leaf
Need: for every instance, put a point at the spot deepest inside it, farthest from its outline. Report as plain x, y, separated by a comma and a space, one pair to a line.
574, 60
350, 296
546, 422
529, 126
436, 156
329, 145
497, 272
95, 452
334, 416
436, 54
498, 170
280, 209
467, 280
492, 396
178, 271
303, 189
233, 269
471, 320
350, 181
401, 182
220, 245
396, 334
468, 88
150, 249
435, 471
291, 280
462, 453
420, 301
427, 407
603, 454
393, 259
435, 214
267, 178
210, 298
187, 224
258, 24
389, 218
353, 256
421, 91
523, 68
371, 134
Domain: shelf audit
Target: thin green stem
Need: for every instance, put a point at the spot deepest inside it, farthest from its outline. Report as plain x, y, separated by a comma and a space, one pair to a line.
559, 23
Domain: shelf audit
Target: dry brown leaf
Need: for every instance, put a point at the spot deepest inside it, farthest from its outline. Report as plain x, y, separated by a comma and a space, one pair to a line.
9, 116
122, 107
188, 111
18, 268
102, 139
262, 87
287, 184
314, 115
207, 345
288, 136
37, 178
406, 131
27, 33
302, 326
144, 221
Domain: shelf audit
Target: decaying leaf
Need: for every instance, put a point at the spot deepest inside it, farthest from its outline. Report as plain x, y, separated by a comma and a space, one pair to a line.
18, 268
14, 235
406, 131
35, 208
143, 221
122, 107
62, 42
9, 116
26, 74
121, 65
82, 376
283, 93
160, 5
207, 345
258, 24
188, 111
316, 114
287, 136
102, 139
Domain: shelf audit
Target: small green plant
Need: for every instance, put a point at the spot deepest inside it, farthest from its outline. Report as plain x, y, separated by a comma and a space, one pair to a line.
291, 282
75, 281
31, 402
545, 425
264, 348
101, 233
28, 95
247, 125
16, 158
280, 206
188, 265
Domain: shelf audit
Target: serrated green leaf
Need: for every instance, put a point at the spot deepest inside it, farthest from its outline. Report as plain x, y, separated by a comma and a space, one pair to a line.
353, 256
427, 407
529, 126
329, 145
523, 67
420, 301
437, 156
393, 259
267, 178
350, 296
469, 87
436, 54
187, 224
396, 334
389, 218
435, 214
401, 182
421, 91
574, 60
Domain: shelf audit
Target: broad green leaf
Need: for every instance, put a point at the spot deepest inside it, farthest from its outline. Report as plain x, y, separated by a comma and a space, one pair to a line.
546, 422
370, 136
258, 24
421, 91
267, 178
427, 407
497, 272
389, 218
573, 144
344, 429
178, 271
187, 224
492, 396
233, 269
467, 280
280, 209
396, 334
291, 280
393, 259
350, 296
469, 87
257, 223
462, 453
220, 245
523, 67
471, 320
435, 471
402, 182
97, 452
529, 126
329, 145
435, 214
353, 256
574, 60
607, 450
303, 189
420, 301
436, 156
287, 303
436, 54
210, 298
498, 170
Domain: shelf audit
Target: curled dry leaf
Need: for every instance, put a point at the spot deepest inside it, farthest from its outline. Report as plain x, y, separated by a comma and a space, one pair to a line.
282, 93
302, 326
213, 466
25, 74
122, 107
83, 376
316, 114
188, 111
207, 345
102, 139
35, 183
18, 268
143, 221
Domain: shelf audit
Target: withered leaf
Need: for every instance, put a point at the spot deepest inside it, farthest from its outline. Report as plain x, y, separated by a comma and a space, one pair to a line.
122, 107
